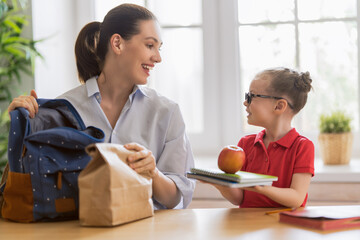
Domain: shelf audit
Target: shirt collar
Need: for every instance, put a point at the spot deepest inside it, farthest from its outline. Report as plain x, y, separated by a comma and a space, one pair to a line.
91, 86
140, 89
285, 141
93, 89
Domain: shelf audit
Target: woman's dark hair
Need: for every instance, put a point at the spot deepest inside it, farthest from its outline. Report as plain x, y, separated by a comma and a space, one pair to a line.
92, 42
288, 83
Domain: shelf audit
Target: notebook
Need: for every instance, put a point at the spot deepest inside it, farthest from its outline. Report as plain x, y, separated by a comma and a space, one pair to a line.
324, 217
226, 182
240, 176
239, 179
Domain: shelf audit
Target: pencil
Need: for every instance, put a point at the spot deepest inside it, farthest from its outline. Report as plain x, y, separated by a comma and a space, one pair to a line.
279, 210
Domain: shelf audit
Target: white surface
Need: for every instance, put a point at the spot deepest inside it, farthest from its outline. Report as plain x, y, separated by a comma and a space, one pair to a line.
58, 23
337, 173
323, 173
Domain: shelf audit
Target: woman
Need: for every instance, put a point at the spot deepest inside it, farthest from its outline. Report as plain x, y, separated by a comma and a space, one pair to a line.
114, 59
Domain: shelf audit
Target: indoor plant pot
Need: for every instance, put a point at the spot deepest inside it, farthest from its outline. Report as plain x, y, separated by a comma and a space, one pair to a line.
335, 138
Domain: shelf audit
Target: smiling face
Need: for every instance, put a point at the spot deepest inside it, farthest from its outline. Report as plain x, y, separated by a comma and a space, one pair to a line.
140, 53
260, 109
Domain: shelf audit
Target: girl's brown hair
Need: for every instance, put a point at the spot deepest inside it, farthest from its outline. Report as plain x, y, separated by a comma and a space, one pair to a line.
92, 42
290, 84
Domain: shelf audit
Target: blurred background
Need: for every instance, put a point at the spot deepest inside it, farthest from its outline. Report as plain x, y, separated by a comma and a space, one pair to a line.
212, 49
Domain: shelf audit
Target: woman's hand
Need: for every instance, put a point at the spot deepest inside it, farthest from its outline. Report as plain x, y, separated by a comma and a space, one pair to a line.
27, 102
142, 160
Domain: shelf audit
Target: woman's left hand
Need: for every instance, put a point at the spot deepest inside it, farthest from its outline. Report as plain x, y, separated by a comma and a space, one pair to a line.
142, 160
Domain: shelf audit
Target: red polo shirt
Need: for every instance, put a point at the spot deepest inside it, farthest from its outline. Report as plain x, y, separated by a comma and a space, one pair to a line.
291, 154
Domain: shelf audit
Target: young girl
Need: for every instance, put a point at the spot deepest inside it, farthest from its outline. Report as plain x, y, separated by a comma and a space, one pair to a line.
274, 98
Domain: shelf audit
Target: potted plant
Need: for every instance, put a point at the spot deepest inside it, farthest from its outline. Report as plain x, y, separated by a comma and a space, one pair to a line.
17, 55
335, 138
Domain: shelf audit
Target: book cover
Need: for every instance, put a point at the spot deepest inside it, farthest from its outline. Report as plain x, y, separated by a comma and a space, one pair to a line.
239, 177
224, 182
324, 217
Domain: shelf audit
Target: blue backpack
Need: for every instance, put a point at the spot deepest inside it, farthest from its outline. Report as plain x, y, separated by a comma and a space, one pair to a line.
46, 155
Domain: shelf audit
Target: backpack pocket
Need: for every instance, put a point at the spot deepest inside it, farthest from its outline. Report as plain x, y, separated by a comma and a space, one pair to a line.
56, 188
18, 198
54, 159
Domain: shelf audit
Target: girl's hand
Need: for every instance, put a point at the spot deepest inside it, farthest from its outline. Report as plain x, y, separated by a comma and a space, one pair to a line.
142, 160
27, 102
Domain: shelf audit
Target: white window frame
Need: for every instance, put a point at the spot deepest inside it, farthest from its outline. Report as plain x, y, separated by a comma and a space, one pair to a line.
222, 88
228, 82
223, 96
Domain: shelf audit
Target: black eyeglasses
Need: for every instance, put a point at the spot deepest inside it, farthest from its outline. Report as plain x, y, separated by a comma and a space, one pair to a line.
250, 96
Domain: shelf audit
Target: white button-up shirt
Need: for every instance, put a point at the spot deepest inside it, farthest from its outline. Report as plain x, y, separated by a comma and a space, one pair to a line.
148, 119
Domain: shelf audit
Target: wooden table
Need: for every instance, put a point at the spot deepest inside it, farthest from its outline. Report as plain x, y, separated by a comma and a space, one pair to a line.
187, 224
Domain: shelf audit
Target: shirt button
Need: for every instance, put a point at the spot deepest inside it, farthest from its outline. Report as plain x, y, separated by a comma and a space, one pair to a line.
274, 145
266, 159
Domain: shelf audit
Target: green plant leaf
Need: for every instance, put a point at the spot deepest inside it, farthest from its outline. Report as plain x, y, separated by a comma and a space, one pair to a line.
13, 48
17, 56
15, 39
336, 122
12, 25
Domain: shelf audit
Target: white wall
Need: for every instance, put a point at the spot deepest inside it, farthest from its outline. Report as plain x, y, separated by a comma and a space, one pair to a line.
58, 23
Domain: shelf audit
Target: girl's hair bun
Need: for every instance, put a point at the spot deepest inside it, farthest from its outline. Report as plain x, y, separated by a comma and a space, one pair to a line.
303, 82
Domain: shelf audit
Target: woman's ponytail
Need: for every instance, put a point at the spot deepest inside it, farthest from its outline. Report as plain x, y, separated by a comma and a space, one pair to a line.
87, 61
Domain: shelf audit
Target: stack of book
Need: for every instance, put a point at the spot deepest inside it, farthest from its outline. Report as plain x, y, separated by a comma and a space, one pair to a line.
324, 217
237, 180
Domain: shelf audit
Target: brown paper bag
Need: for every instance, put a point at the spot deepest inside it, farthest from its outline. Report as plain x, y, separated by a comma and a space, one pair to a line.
110, 192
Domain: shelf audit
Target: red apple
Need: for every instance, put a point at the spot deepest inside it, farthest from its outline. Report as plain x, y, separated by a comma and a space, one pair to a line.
231, 159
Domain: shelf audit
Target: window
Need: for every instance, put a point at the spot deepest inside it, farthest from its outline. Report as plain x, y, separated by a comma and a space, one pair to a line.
315, 36
213, 48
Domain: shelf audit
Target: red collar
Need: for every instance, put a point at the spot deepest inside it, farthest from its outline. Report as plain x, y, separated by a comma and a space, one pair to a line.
285, 141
